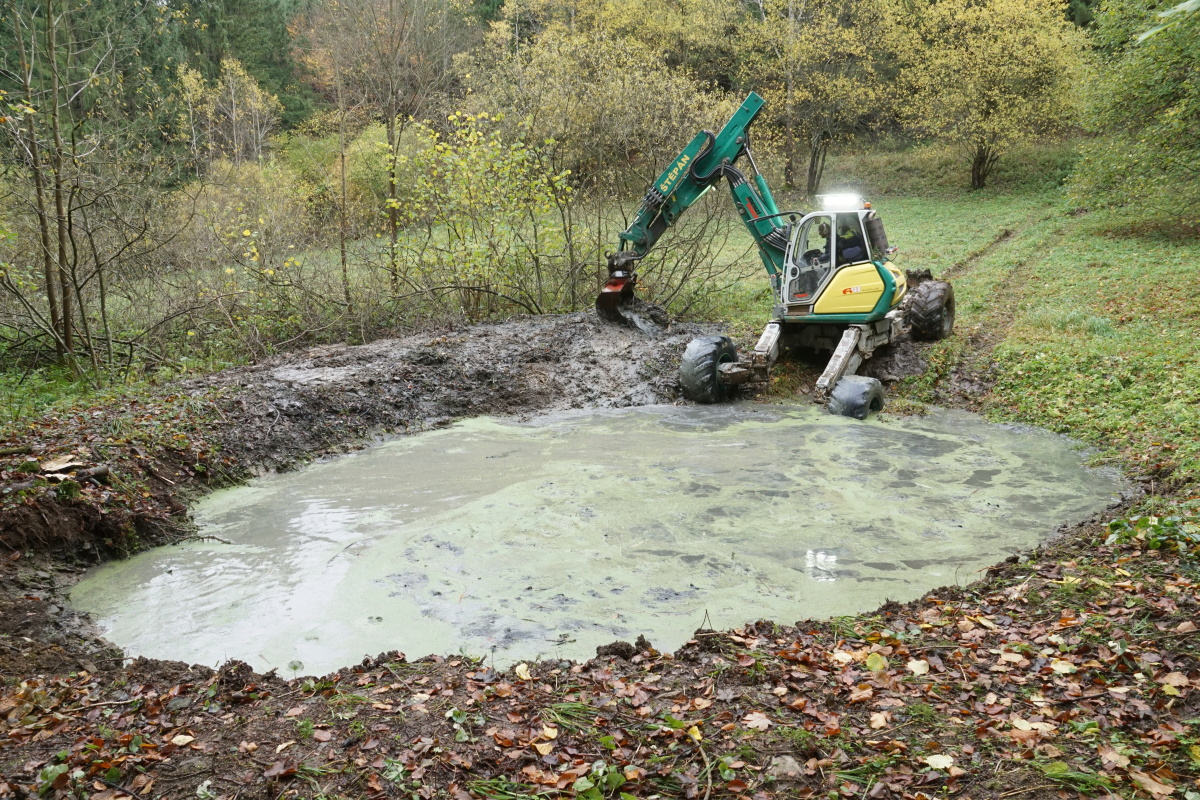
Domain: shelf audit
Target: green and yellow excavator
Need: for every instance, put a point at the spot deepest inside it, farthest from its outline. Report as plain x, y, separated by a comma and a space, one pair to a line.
835, 287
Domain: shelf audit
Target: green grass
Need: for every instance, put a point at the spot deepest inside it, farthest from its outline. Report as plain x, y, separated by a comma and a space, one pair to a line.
1102, 344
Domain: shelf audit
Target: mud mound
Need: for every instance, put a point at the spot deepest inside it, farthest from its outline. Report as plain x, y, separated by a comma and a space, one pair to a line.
315, 401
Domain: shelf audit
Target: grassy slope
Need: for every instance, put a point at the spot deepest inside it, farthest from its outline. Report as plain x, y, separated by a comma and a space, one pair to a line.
1092, 323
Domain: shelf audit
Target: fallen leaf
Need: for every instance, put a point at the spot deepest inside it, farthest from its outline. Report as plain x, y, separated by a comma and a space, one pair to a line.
549, 732
694, 732
861, 693
248, 747
285, 745
278, 769
918, 666
1110, 755
880, 719
1187, 626
522, 671
939, 761
67, 462
544, 747
757, 720
1150, 785
701, 703
1174, 679
1063, 667
294, 711
1020, 724
322, 735
182, 739
876, 662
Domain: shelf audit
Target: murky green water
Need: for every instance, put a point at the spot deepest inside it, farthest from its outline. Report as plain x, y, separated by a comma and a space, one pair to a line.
552, 537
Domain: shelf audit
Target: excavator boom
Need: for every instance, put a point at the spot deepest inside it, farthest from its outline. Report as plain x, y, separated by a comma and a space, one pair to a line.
705, 160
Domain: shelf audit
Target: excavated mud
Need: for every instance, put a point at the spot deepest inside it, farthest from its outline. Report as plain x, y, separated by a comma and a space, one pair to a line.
291, 407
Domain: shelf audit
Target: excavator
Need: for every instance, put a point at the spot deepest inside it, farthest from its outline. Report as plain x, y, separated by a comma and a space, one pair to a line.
831, 274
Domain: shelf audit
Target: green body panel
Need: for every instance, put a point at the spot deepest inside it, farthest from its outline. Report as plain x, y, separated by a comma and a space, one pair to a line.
882, 307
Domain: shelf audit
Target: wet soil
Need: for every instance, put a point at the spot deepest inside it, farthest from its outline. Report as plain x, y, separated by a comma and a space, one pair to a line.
293, 407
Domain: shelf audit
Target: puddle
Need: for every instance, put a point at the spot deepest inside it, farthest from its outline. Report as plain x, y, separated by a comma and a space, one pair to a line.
548, 538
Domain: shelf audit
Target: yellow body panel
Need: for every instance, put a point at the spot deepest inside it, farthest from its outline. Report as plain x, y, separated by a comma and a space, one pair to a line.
854, 290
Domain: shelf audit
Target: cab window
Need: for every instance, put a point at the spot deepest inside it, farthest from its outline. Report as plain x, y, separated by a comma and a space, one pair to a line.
811, 258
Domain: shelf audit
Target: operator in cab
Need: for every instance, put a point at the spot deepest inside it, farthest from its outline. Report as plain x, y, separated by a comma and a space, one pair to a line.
850, 240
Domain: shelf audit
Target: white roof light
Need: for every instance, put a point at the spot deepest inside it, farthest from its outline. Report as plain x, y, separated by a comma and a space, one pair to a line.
840, 202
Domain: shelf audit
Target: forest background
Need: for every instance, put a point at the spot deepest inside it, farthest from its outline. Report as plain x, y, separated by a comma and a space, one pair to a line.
186, 186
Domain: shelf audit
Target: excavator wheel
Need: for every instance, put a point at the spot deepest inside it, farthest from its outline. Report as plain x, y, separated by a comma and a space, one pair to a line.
699, 367
856, 396
931, 311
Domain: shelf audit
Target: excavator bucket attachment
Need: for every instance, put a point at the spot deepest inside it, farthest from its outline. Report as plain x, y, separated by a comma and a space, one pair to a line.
613, 299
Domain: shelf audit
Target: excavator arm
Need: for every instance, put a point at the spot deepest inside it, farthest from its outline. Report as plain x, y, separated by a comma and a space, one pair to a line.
705, 160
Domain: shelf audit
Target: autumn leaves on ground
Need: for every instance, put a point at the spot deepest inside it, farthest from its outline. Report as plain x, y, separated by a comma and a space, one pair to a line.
1074, 673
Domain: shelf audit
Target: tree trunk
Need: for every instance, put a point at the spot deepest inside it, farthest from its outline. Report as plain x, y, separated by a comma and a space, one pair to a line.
789, 139
342, 200
60, 212
49, 265
818, 149
393, 212
982, 161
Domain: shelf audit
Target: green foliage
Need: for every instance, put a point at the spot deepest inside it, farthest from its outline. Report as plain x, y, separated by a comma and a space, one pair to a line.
496, 210
603, 780
233, 117
820, 69
1089, 783
253, 32
1145, 104
1156, 533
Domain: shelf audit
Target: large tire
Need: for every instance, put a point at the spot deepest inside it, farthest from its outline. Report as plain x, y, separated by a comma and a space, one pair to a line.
931, 311
698, 368
856, 396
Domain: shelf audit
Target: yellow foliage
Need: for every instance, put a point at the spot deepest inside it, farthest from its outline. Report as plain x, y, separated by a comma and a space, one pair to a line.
988, 75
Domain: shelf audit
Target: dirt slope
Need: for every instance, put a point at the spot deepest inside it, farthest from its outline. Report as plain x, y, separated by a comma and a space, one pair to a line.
294, 406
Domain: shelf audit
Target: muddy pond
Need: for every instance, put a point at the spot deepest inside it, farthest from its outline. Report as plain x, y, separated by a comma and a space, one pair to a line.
546, 538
